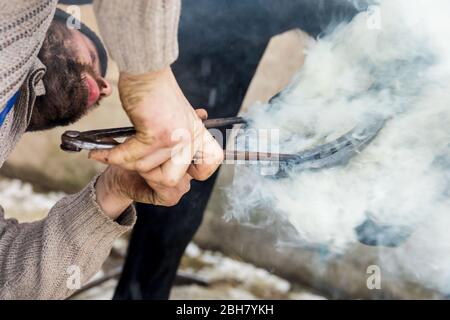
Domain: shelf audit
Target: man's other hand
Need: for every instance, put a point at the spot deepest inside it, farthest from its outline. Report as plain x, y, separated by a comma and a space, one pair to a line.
117, 188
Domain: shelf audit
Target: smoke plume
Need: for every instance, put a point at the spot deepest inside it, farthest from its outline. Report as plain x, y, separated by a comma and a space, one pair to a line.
391, 62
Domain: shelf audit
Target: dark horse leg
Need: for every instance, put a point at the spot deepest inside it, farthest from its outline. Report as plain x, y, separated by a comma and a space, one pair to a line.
221, 43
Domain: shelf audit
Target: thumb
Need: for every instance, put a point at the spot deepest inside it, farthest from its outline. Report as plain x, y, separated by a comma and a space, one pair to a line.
99, 155
202, 114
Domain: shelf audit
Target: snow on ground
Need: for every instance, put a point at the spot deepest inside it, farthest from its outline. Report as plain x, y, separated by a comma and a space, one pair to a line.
21, 202
232, 279
226, 279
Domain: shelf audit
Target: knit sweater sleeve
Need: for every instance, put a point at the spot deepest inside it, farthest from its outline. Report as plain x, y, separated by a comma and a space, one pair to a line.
23, 25
141, 35
42, 260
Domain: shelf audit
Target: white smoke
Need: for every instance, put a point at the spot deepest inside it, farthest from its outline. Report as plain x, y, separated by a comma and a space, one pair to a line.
400, 72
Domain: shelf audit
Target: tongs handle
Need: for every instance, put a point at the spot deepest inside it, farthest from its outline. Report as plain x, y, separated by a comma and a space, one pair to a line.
75, 141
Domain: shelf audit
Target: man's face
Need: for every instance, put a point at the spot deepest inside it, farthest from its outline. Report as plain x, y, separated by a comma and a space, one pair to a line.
87, 54
72, 81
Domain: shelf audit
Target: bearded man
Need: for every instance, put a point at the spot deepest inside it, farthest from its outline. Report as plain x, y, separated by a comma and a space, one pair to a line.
51, 75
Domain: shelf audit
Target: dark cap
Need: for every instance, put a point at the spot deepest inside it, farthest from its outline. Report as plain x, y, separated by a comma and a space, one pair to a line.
63, 16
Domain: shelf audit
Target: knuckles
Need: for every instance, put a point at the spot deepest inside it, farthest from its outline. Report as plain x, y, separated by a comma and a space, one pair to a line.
173, 197
141, 167
169, 182
213, 163
186, 188
203, 175
172, 202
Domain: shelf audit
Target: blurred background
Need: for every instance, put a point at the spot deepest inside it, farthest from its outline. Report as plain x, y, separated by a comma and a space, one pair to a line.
226, 260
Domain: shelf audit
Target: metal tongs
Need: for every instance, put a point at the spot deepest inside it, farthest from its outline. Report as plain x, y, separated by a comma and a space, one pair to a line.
76, 141
331, 154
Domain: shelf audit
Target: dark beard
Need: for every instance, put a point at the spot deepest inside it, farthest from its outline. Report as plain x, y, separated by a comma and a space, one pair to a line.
65, 100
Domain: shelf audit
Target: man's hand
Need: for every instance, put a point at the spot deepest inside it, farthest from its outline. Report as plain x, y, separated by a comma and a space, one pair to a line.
116, 189
169, 133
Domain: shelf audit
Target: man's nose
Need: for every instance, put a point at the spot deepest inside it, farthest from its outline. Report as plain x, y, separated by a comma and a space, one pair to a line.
106, 89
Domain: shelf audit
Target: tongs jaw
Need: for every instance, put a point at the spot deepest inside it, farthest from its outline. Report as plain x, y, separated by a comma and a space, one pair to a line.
75, 141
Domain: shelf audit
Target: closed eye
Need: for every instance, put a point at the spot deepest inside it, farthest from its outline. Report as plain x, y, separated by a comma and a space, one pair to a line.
93, 59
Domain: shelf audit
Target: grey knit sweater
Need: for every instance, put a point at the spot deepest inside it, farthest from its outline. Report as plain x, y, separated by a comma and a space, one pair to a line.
37, 259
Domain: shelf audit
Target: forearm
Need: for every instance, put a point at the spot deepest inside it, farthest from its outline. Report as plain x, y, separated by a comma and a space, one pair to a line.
141, 35
112, 203
35, 257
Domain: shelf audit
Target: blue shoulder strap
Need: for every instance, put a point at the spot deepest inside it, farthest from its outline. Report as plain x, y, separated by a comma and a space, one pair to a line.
9, 105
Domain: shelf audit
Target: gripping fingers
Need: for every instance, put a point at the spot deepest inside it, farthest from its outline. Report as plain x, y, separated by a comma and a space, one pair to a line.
125, 155
208, 158
165, 196
202, 114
